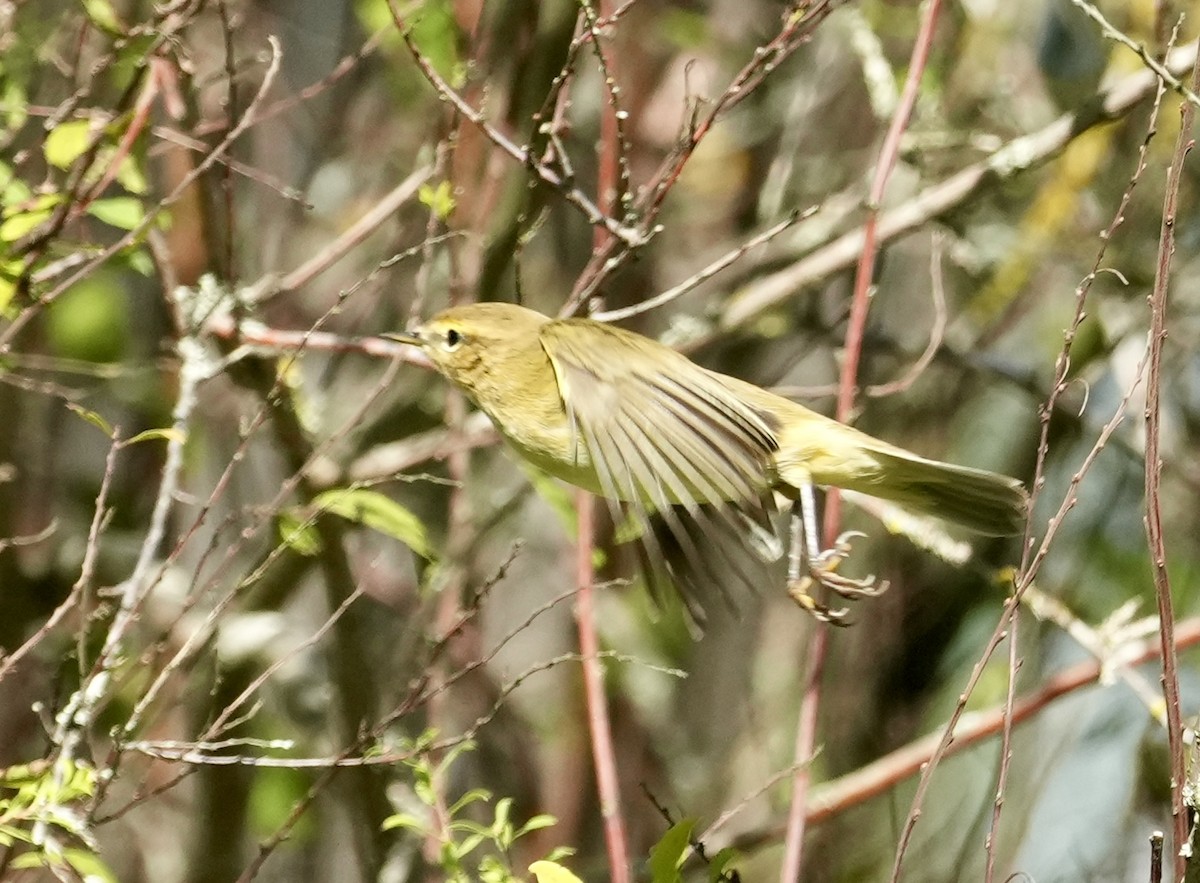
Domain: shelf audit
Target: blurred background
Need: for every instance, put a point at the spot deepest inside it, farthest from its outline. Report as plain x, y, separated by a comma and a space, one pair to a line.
139, 151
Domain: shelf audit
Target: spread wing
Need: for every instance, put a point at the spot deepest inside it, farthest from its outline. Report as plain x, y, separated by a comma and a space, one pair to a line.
675, 443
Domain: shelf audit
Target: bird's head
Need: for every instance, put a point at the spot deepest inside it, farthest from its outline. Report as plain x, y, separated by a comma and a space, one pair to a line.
470, 342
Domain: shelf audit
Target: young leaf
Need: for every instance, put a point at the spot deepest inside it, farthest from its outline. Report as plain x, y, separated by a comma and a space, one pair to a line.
169, 433
407, 821
298, 534
552, 872
501, 820
123, 212
88, 867
20, 220
537, 823
8, 288
667, 855
93, 418
67, 142
472, 796
439, 198
380, 512
103, 16
718, 864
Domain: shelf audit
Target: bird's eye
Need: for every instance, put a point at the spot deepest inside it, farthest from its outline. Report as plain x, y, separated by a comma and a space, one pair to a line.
453, 339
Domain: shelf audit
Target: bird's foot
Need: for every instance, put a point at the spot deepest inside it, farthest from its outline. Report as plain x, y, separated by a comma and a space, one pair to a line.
823, 572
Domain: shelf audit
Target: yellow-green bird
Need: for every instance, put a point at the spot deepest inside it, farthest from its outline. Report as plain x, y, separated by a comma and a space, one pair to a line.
698, 456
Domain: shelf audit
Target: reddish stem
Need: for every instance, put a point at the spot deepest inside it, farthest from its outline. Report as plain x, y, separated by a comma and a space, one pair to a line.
597, 710
806, 729
1154, 528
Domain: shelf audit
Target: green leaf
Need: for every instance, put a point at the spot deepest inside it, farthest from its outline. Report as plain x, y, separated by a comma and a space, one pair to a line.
472, 796
15, 104
169, 433
80, 783
560, 852
468, 845
423, 788
379, 512
103, 16
8, 288
22, 774
466, 826
131, 176
492, 870
537, 823
439, 198
28, 216
435, 31
123, 212
667, 855
67, 142
140, 262
407, 821
298, 534
719, 862
88, 866
503, 808
93, 418
13, 190
21, 223
552, 872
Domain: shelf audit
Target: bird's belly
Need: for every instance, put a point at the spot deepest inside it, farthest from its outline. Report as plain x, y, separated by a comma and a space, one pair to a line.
557, 454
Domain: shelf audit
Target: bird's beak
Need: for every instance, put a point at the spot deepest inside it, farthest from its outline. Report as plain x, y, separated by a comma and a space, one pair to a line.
410, 337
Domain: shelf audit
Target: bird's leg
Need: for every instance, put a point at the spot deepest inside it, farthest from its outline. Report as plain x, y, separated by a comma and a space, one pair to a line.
822, 565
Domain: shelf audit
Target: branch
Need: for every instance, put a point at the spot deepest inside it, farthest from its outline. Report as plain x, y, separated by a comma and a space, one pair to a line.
937, 199
1154, 527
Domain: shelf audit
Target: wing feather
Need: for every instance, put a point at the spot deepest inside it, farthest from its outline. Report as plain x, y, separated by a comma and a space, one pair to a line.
673, 441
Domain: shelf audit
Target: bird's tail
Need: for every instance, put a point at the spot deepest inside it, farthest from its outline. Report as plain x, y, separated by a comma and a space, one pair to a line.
981, 501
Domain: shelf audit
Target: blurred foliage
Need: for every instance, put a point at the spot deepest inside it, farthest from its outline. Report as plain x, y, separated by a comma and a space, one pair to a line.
33, 798
467, 850
349, 561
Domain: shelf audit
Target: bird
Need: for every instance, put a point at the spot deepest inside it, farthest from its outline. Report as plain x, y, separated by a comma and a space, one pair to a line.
698, 458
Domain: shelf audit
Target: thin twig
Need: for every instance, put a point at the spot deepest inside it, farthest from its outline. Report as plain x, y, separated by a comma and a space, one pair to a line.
1154, 526
384, 209
603, 755
77, 716
937, 332
1010, 696
86, 572
793, 848
1031, 561
611, 181
1025, 578
1160, 71
571, 193
199, 752
1017, 155
726, 260
800, 21
152, 215
830, 799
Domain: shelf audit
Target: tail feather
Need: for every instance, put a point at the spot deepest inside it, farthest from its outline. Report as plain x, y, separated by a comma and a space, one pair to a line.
981, 501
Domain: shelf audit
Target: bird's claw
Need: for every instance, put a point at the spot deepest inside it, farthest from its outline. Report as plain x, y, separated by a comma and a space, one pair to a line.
799, 590
823, 571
